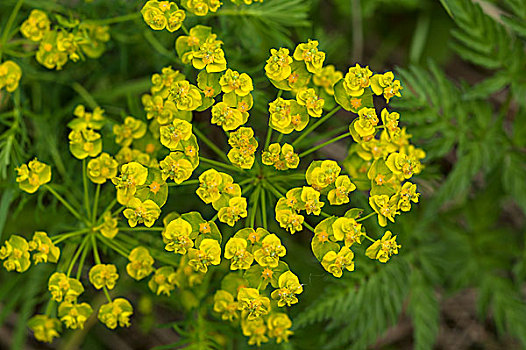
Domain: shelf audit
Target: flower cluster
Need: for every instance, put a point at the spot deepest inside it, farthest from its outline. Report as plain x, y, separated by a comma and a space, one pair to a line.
33, 175
202, 7
281, 157
225, 195
244, 147
163, 14
258, 253
69, 39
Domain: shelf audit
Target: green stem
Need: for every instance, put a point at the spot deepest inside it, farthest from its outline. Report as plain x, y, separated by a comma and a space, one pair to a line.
60, 237
311, 229
246, 181
114, 246
366, 217
85, 183
315, 148
254, 201
81, 262
95, 204
66, 204
219, 164
7, 28
79, 89
264, 208
185, 30
76, 256
108, 208
315, 125
96, 255
369, 238
140, 228
210, 144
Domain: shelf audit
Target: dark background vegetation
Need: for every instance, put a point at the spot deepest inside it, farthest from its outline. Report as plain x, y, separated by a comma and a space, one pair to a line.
458, 282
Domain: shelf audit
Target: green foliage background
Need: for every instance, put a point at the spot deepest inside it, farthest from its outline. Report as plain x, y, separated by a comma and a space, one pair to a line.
463, 67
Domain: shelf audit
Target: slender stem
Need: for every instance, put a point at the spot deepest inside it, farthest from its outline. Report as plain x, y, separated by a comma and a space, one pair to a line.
66, 204
112, 244
280, 137
140, 228
79, 89
7, 28
357, 33
219, 164
264, 208
85, 182
311, 229
315, 148
369, 238
81, 262
289, 177
185, 30
95, 204
59, 238
269, 135
98, 261
210, 144
186, 183
108, 208
215, 217
76, 256
244, 182
118, 19
254, 201
315, 125
366, 217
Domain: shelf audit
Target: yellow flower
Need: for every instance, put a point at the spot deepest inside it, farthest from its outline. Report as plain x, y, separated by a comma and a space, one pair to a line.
109, 227
172, 135
385, 207
326, 78
35, 26
366, 122
164, 281
279, 325
340, 194
43, 248
255, 329
33, 175
384, 248
10, 74
335, 263
141, 263
48, 53
209, 253
236, 250
321, 174
227, 117
407, 195
210, 56
176, 167
356, 80
44, 328
208, 190
15, 252
289, 286
289, 220
161, 83
287, 116
278, 65
176, 236
102, 275
236, 209
311, 198
130, 130
64, 288
232, 81
94, 39
92, 120
74, 315
245, 145
116, 313
270, 252
254, 304
313, 103
385, 83
401, 164
102, 168
348, 230
185, 96
225, 305
133, 174
85, 143
138, 212
156, 107
390, 120
163, 14
308, 53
